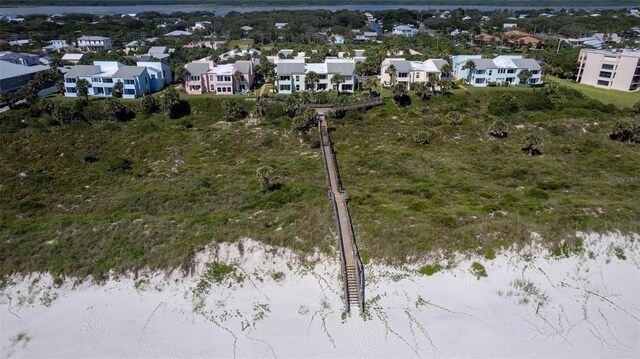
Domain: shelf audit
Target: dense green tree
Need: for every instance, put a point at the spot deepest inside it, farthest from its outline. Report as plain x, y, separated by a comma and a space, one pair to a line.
83, 86
118, 89
169, 101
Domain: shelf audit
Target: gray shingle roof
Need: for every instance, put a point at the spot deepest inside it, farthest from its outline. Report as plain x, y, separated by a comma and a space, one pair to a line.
401, 65
288, 68
530, 64
439, 63
197, 69
82, 71
342, 68
243, 66
484, 64
127, 72
9, 69
93, 38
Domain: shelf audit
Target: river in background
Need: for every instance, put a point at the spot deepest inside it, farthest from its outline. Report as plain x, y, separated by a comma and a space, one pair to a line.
223, 10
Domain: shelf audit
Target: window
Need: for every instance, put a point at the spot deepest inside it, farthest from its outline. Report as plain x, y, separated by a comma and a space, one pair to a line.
347, 87
285, 87
297, 87
348, 77
322, 77
96, 79
535, 72
153, 77
511, 71
129, 82
490, 72
107, 81
480, 72
480, 81
402, 74
533, 81
605, 74
194, 87
417, 75
322, 87
285, 78
129, 91
70, 81
71, 89
297, 78
502, 71
603, 83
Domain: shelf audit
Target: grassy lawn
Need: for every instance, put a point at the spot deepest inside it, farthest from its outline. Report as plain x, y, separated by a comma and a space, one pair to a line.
92, 197
242, 43
620, 99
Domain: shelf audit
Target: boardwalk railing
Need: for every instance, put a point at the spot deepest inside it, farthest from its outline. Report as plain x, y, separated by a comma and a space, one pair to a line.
349, 258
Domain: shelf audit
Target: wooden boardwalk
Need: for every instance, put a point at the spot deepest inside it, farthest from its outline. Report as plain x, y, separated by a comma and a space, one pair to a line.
352, 269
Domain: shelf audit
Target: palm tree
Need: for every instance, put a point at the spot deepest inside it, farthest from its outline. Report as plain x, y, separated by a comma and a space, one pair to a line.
261, 107
445, 70
118, 89
291, 105
337, 79
498, 129
524, 76
83, 87
181, 74
391, 70
370, 85
421, 89
312, 79
445, 85
264, 174
399, 91
432, 82
471, 66
532, 141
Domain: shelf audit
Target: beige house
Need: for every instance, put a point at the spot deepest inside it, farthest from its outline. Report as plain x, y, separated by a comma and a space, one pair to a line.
409, 72
610, 70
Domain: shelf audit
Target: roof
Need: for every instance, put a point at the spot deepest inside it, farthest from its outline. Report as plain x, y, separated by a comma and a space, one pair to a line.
483, 64
129, 71
285, 67
517, 33
197, 68
72, 57
157, 50
132, 43
528, 40
9, 69
401, 65
340, 67
82, 71
243, 66
438, 63
93, 38
530, 64
178, 33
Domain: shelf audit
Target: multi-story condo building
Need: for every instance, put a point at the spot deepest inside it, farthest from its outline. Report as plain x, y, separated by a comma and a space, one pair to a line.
228, 79
404, 30
14, 76
410, 72
499, 70
94, 43
291, 74
610, 70
145, 77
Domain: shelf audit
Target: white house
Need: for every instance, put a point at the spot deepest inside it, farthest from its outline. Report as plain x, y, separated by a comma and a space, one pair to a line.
178, 33
291, 74
410, 72
145, 77
57, 45
94, 43
281, 25
499, 70
405, 30
507, 26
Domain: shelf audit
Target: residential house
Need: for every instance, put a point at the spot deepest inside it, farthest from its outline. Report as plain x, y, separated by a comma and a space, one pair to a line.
239, 53
200, 25
132, 46
499, 70
338, 39
57, 45
20, 58
507, 26
290, 75
94, 43
145, 77
517, 38
281, 25
14, 76
246, 28
73, 59
410, 72
206, 76
178, 33
485, 39
609, 70
405, 30
20, 42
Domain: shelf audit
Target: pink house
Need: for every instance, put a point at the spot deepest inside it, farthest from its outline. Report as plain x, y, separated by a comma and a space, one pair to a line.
205, 76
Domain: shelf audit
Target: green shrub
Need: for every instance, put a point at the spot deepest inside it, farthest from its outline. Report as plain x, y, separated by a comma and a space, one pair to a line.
430, 269
422, 138
478, 270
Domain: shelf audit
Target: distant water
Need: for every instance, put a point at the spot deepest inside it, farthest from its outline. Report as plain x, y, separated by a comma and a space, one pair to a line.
222, 10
